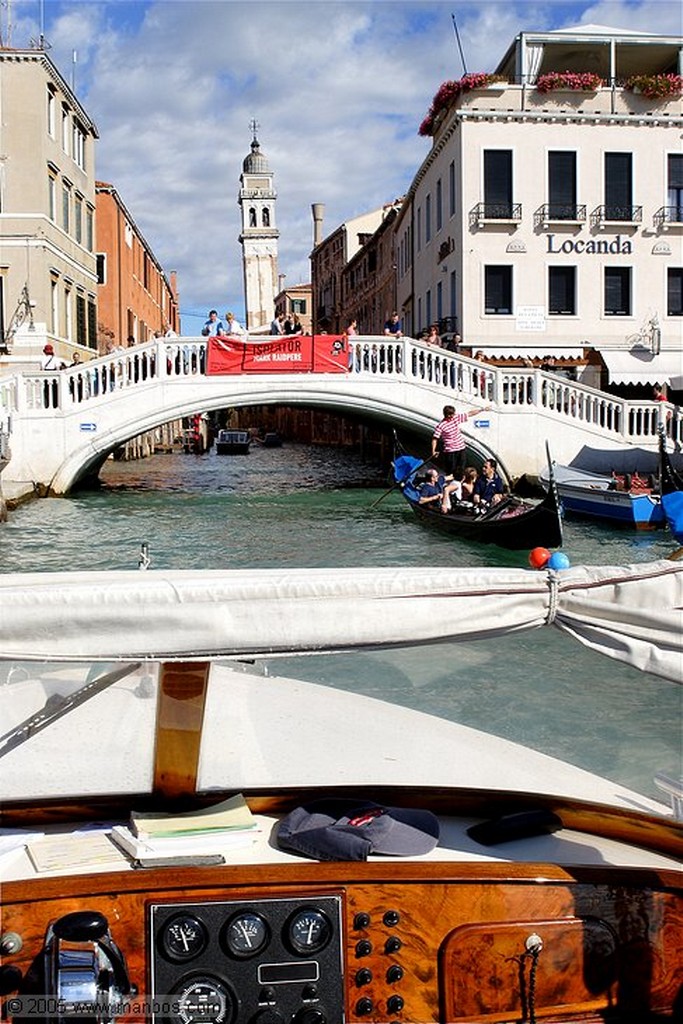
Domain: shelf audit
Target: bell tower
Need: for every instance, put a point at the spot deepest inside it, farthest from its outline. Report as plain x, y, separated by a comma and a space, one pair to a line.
258, 236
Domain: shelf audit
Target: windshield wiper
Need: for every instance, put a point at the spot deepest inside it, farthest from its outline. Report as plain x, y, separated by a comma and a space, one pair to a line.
56, 706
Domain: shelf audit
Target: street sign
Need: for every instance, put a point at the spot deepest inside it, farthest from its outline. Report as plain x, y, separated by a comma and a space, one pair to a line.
88, 426
482, 423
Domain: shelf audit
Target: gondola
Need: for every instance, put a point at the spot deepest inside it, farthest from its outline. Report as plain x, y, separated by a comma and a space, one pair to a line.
512, 523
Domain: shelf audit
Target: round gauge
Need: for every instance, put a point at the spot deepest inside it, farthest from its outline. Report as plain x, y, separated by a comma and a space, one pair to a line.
246, 934
308, 931
183, 937
203, 999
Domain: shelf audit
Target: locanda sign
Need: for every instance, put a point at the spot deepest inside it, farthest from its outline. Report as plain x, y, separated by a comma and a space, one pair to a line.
593, 247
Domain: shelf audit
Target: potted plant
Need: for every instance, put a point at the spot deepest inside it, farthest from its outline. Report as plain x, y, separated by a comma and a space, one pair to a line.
577, 81
656, 87
450, 90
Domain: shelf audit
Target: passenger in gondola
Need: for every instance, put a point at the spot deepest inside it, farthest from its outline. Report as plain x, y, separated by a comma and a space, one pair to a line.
431, 490
489, 487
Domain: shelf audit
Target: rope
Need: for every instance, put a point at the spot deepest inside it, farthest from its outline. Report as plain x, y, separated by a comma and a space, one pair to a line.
554, 589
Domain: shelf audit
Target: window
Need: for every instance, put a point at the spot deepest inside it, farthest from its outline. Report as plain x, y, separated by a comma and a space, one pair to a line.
429, 307
618, 187
674, 291
439, 206
3, 338
81, 323
54, 305
68, 314
78, 144
66, 205
299, 306
453, 296
65, 128
428, 218
439, 301
498, 290
265, 218
89, 229
51, 116
451, 189
252, 216
51, 197
562, 291
497, 183
675, 186
78, 218
562, 185
617, 291
101, 268
419, 228
92, 322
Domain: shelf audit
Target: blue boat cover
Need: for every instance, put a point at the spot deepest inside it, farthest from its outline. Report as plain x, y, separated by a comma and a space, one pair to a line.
673, 510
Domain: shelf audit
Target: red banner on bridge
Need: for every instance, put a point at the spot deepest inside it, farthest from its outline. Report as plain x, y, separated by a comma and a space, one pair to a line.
295, 353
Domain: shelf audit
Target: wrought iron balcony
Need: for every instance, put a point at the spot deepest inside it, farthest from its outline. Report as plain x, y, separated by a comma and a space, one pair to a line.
602, 215
565, 213
666, 215
486, 213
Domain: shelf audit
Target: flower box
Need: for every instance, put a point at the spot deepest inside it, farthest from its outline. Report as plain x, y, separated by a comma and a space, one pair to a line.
656, 87
573, 81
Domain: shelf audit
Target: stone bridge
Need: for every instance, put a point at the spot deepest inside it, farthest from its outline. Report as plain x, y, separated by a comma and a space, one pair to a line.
60, 427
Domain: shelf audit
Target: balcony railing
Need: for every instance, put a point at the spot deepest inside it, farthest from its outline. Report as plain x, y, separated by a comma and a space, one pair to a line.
485, 213
668, 215
566, 213
602, 215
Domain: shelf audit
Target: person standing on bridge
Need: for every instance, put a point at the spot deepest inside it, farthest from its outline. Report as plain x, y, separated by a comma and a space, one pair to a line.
448, 437
213, 325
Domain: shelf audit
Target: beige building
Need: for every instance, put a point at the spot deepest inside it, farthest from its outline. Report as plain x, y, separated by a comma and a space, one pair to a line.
48, 268
548, 219
295, 301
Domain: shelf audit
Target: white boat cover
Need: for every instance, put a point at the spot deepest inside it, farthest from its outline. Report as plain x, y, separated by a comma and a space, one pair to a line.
631, 613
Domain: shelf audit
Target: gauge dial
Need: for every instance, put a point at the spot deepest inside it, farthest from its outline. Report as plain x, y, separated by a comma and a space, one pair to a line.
246, 934
183, 937
203, 999
308, 931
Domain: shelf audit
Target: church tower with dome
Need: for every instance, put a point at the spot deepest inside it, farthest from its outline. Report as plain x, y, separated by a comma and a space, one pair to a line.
258, 237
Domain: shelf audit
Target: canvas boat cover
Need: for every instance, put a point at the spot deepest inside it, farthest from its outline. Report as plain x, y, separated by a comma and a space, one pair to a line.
630, 613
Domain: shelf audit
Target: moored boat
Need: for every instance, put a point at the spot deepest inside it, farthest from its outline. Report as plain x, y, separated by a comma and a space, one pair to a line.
625, 499
233, 442
487, 882
512, 523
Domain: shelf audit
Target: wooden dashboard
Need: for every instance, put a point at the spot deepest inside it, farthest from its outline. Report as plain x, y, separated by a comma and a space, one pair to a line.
376, 941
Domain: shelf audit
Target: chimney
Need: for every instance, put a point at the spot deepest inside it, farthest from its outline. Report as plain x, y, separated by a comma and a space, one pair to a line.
318, 210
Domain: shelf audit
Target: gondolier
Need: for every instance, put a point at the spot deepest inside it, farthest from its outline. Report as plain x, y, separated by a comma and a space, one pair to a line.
452, 442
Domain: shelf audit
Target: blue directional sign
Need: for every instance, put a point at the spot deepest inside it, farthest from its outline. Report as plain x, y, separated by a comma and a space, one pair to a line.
482, 423
88, 426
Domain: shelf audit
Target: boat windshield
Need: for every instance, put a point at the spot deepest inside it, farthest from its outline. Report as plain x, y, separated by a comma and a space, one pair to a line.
349, 679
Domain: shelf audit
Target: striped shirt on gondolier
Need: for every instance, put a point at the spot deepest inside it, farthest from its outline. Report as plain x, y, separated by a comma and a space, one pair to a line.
449, 432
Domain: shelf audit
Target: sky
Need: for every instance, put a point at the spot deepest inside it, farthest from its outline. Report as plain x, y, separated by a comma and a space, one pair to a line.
338, 90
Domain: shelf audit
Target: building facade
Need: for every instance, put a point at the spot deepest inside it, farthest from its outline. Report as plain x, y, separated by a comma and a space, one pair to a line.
48, 267
329, 259
258, 238
368, 281
547, 218
295, 301
135, 298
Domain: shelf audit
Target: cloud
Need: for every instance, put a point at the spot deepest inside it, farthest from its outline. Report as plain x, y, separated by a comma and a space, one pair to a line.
338, 89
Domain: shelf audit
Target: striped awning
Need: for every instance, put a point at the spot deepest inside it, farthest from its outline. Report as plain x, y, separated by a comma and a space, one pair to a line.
642, 367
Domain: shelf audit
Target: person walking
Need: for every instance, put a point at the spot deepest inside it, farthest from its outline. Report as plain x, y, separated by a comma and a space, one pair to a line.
452, 443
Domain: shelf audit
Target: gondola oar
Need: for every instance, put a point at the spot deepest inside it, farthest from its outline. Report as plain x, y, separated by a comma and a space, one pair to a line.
402, 480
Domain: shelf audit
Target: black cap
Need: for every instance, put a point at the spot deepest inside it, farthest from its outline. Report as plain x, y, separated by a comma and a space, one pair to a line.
347, 830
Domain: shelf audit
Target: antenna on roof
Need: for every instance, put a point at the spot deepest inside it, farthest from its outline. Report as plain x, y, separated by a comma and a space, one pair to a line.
457, 37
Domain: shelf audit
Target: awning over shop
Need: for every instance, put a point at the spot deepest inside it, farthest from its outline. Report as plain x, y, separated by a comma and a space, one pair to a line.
528, 351
629, 367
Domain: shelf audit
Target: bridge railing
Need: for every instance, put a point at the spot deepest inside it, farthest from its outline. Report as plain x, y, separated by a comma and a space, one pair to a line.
457, 376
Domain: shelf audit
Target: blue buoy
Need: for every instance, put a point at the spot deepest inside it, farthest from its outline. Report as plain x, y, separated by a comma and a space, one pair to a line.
558, 560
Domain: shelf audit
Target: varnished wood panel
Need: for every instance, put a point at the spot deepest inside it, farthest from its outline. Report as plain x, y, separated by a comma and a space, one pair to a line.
425, 917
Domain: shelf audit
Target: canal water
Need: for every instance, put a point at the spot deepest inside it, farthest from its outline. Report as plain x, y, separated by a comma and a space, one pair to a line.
318, 507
